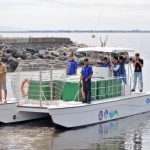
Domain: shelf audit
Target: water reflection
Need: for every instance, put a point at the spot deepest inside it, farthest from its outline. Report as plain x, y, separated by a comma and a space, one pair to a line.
125, 134
27, 136
137, 141
116, 135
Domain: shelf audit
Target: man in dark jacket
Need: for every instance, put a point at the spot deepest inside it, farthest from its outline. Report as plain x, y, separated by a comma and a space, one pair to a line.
138, 65
116, 67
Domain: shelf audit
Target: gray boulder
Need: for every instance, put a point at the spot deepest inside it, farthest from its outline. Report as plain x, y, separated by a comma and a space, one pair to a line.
46, 52
1, 46
13, 63
28, 56
35, 56
32, 51
48, 56
50, 49
6, 57
42, 53
62, 58
55, 53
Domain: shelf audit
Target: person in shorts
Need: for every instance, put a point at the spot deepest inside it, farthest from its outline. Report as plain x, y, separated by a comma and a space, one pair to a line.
3, 71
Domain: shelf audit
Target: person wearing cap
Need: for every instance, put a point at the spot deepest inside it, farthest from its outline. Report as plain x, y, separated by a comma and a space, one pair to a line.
3, 71
105, 63
85, 78
122, 69
71, 65
138, 65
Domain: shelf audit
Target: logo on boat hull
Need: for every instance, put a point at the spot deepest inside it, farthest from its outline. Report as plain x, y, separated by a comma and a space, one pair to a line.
113, 113
107, 114
100, 115
148, 100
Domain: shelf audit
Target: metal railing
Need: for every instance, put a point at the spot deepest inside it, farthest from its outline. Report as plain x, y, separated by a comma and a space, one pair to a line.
34, 82
42, 82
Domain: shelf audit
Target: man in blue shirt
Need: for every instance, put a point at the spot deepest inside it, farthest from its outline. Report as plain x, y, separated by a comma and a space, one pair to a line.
86, 74
105, 63
71, 66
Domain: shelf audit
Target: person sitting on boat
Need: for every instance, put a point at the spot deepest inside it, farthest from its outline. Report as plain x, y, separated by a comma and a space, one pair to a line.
138, 65
86, 74
122, 69
106, 63
71, 65
116, 67
3, 71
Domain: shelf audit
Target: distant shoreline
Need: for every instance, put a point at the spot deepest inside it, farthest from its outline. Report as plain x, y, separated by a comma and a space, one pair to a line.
77, 31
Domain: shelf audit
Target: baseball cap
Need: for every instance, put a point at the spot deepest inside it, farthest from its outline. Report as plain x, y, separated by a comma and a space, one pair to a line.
85, 59
137, 54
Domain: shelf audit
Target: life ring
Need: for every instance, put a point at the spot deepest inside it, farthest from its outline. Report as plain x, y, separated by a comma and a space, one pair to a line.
26, 81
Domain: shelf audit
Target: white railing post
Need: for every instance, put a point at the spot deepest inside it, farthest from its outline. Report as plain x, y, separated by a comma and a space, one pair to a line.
40, 88
51, 82
124, 79
130, 85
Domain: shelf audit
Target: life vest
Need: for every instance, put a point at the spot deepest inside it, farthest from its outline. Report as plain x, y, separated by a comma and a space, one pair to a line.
122, 69
117, 73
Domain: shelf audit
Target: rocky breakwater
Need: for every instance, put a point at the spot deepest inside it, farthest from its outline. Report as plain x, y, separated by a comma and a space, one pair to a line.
14, 51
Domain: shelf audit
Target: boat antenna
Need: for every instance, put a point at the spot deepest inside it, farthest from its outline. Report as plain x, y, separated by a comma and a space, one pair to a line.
97, 23
103, 42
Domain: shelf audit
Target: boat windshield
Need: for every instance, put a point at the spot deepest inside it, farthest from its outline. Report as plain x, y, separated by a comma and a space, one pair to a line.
96, 55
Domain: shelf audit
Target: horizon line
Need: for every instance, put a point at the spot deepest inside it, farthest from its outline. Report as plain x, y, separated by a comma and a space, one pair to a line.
93, 31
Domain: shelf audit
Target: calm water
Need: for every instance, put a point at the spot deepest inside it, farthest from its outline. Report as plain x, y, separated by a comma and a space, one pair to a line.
115, 135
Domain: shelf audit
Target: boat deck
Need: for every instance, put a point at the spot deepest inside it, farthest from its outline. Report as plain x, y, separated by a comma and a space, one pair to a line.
62, 104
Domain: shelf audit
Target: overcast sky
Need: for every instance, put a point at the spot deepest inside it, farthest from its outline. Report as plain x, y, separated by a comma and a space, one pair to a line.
75, 14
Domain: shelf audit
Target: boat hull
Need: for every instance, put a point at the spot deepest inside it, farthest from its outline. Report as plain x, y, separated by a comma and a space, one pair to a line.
100, 111
10, 113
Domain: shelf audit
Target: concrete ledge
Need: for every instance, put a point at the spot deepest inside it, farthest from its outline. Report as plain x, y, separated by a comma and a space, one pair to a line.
35, 40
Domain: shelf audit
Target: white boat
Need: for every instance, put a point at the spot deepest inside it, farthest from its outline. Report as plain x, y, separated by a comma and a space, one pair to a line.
10, 113
76, 114
42, 89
